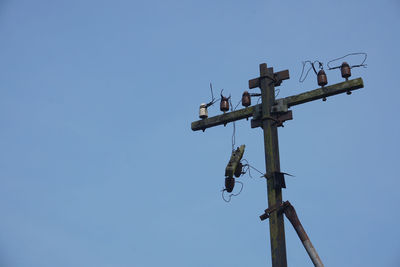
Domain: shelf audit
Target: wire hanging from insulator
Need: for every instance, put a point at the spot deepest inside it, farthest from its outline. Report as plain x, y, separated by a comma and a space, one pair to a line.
234, 127
352, 66
320, 66
232, 194
224, 104
234, 124
248, 167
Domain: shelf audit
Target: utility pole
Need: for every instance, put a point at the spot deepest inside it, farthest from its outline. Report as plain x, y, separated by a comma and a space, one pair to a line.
269, 115
276, 223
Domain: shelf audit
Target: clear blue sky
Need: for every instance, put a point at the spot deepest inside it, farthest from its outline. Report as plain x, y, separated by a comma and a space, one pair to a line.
99, 166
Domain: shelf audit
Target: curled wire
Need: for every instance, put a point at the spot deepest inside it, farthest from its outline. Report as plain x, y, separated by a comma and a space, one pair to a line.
232, 195
248, 167
229, 97
320, 65
353, 66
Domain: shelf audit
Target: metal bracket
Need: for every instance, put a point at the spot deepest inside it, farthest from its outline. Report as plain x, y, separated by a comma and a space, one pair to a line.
281, 117
279, 207
277, 78
280, 106
278, 178
278, 118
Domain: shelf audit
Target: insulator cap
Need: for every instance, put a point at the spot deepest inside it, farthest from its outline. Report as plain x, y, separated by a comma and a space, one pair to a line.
229, 184
224, 105
345, 69
246, 99
322, 79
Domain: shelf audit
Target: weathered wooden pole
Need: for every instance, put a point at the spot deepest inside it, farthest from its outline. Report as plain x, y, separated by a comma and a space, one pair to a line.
276, 222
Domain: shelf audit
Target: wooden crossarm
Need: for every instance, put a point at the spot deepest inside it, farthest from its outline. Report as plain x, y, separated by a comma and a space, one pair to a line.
223, 118
322, 92
290, 101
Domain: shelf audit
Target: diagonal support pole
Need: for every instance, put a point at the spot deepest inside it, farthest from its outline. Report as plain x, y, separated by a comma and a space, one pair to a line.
291, 214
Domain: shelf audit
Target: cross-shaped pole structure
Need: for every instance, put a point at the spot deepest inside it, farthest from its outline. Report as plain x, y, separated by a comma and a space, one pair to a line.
269, 115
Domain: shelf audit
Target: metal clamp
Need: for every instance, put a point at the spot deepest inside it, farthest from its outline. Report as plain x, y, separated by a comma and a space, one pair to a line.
278, 178
280, 106
277, 207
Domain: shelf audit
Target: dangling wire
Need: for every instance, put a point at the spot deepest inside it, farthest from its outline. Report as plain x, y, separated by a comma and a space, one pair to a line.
277, 91
234, 128
229, 97
237, 104
234, 124
213, 100
353, 66
232, 195
212, 93
320, 65
308, 70
248, 167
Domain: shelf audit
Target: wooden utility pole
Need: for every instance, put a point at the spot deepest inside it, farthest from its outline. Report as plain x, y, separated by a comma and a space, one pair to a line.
276, 223
269, 115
